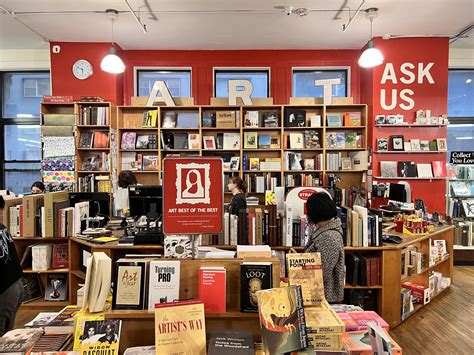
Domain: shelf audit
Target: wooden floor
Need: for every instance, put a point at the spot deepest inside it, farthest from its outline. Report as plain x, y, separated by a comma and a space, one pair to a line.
447, 325
444, 327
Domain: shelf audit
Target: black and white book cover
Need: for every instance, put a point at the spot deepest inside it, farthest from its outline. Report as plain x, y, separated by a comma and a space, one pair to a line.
406, 169
31, 287
231, 342
169, 119
270, 119
397, 143
253, 278
295, 117
20, 340
382, 144
56, 287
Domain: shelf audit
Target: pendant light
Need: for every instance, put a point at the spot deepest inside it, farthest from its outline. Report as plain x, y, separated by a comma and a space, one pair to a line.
372, 56
112, 63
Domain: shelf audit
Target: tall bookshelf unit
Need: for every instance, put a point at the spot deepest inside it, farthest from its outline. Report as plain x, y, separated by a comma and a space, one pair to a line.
130, 119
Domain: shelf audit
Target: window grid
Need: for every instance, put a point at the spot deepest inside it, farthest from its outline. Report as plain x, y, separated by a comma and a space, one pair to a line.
178, 86
306, 88
244, 74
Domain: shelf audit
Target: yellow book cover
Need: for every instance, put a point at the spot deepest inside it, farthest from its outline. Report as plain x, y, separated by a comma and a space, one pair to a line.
101, 337
305, 269
270, 197
150, 118
81, 318
180, 328
323, 320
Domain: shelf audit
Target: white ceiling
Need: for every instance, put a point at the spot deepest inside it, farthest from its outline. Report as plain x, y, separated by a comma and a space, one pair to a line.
181, 26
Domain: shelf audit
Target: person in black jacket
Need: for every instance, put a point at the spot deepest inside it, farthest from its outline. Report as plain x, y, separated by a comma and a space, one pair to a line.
11, 287
238, 187
326, 238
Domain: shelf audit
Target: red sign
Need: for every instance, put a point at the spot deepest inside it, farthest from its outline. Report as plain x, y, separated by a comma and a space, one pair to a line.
193, 195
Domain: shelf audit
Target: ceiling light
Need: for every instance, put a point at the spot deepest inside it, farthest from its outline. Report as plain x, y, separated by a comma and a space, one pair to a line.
371, 57
112, 63
468, 81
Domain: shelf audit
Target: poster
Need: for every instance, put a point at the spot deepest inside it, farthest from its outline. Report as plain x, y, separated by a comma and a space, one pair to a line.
193, 195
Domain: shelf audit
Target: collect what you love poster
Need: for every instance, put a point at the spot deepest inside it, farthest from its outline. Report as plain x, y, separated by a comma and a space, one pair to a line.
194, 195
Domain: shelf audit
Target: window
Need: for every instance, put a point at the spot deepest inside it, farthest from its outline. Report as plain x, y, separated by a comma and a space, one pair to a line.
460, 137
303, 82
260, 80
461, 93
177, 81
20, 150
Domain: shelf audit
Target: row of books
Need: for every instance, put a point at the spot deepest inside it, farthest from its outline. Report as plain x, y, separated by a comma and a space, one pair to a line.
294, 180
461, 188
94, 183
92, 161
262, 183
362, 270
344, 140
45, 256
295, 161
57, 125
139, 162
264, 165
93, 115
464, 233
309, 139
347, 161
398, 144
49, 215
268, 119
393, 169
221, 119
180, 119
360, 227
132, 141
94, 139
256, 140
257, 225
295, 117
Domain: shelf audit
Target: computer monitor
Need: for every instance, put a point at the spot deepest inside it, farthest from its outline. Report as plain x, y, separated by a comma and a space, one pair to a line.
99, 202
146, 200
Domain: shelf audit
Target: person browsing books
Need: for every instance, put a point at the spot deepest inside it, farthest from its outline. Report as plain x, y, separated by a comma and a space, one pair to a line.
238, 187
125, 179
11, 287
326, 238
37, 187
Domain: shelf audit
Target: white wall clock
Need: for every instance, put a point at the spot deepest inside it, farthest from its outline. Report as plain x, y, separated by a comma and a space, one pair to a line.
82, 69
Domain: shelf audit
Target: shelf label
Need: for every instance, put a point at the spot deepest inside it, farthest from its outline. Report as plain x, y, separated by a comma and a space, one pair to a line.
462, 158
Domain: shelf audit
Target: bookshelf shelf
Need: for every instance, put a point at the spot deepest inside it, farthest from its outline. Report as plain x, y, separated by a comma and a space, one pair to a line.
426, 269
93, 149
139, 150
49, 271
343, 149
144, 314
301, 171
262, 150
350, 287
261, 171
43, 305
180, 150
346, 171
301, 128
344, 127
180, 129
409, 178
220, 129
412, 152
138, 129
221, 150
305, 149
49, 239
261, 128
413, 125
145, 171
92, 172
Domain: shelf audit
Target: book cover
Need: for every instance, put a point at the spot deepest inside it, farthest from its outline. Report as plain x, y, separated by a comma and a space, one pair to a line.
415, 145
296, 140
305, 269
180, 328
31, 287
60, 256
209, 142
312, 139
51, 343
360, 343
180, 140
169, 119
323, 319
152, 141
86, 140
20, 340
225, 119
432, 146
129, 285
163, 282
231, 342
150, 163
65, 320
212, 288
334, 119
352, 119
250, 140
254, 277
187, 120
439, 168
269, 119
264, 141
193, 141
101, 139
231, 140
101, 337
388, 169
340, 140
397, 143
81, 213
424, 145
424, 170
382, 144
150, 118
295, 117
351, 140
406, 169
331, 140
179, 247
254, 164
81, 319
142, 141
309, 164
209, 120
358, 320
128, 140
282, 319
56, 287
129, 161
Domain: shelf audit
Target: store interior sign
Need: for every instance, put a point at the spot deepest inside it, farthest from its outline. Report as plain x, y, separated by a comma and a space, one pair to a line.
462, 158
160, 94
408, 74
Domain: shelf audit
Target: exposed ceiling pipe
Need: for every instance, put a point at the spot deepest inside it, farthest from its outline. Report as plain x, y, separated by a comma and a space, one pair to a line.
142, 26
351, 19
461, 34
14, 16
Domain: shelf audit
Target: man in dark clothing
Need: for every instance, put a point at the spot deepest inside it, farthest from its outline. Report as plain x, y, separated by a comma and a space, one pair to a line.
11, 287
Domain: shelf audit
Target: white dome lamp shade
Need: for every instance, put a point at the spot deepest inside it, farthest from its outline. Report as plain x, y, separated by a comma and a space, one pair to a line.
112, 63
371, 56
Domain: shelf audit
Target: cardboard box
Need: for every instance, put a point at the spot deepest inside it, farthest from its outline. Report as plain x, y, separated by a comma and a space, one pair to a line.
420, 294
323, 320
32, 215
7, 201
225, 119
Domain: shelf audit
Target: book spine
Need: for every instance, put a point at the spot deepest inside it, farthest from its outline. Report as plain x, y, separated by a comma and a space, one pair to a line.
301, 318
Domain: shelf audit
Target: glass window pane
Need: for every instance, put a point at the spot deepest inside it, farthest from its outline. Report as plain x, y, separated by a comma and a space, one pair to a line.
303, 82
461, 93
22, 142
23, 93
259, 80
178, 82
460, 138
18, 177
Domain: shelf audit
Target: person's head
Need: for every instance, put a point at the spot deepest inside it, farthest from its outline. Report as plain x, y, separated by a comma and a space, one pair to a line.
108, 329
126, 178
37, 187
90, 332
237, 185
320, 208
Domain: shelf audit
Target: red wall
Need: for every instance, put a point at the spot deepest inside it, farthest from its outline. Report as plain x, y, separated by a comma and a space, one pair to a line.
425, 96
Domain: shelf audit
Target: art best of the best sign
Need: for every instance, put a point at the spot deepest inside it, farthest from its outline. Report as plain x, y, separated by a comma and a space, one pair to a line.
193, 195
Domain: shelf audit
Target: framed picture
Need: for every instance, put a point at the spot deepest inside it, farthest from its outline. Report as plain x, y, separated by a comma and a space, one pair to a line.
441, 143
380, 119
209, 142
468, 206
397, 143
415, 145
250, 140
382, 144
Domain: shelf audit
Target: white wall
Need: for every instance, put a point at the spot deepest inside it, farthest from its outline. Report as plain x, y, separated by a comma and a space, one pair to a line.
24, 59
461, 58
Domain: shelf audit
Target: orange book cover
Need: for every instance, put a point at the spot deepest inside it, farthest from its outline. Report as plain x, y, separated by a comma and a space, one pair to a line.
212, 289
352, 119
101, 139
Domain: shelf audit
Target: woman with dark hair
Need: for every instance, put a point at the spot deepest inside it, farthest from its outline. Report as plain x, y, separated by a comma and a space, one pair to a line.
37, 187
326, 238
126, 178
238, 187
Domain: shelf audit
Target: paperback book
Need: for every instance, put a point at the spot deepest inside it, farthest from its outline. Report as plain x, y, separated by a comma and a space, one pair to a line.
101, 337
163, 285
305, 269
129, 285
56, 287
254, 276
